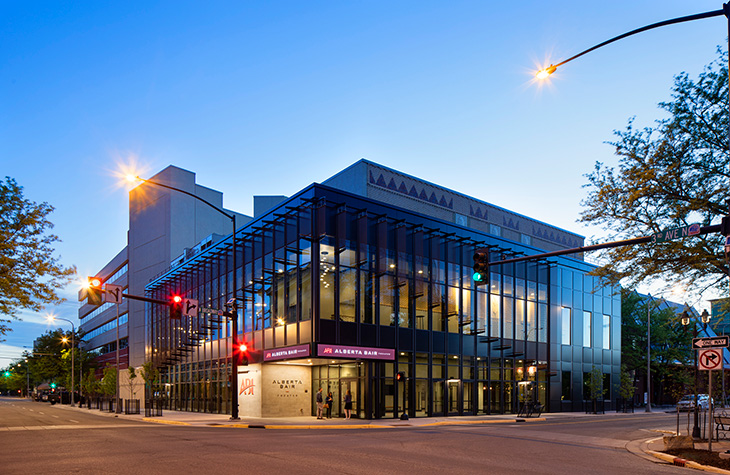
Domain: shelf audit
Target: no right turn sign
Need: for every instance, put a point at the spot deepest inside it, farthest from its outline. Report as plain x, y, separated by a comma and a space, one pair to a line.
710, 359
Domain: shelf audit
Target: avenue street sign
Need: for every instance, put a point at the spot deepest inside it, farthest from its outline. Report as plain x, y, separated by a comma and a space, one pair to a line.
711, 342
677, 233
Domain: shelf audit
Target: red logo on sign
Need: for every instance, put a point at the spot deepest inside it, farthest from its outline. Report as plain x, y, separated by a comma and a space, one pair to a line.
247, 386
327, 350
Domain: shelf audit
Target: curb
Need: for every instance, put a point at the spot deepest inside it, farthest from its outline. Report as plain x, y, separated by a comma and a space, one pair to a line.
353, 426
162, 421
680, 462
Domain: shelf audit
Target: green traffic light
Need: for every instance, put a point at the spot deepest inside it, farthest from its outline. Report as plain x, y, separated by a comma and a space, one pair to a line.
477, 277
53, 385
7, 374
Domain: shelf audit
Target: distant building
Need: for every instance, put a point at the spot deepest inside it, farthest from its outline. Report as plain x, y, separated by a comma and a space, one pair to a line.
165, 228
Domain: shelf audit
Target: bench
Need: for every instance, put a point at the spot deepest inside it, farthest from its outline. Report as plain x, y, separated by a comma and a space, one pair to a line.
722, 425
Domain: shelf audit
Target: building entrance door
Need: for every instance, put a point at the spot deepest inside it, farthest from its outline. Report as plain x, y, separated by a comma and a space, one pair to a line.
352, 386
454, 396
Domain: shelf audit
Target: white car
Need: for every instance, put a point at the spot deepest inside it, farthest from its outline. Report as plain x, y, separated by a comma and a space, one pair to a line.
687, 403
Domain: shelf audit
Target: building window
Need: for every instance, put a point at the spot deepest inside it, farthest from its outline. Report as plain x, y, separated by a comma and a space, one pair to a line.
525, 239
494, 229
587, 329
607, 332
566, 384
565, 326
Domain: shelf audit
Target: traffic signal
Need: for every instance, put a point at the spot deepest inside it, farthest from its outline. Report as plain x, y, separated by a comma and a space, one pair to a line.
481, 266
7, 374
400, 376
53, 386
176, 307
93, 291
241, 351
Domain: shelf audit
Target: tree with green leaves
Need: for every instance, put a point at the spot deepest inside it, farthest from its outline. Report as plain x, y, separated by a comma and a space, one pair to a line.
30, 275
670, 342
668, 176
90, 384
108, 384
150, 375
131, 381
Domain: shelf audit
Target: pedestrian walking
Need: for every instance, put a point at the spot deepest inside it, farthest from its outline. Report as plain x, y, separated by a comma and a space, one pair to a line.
320, 403
329, 400
348, 404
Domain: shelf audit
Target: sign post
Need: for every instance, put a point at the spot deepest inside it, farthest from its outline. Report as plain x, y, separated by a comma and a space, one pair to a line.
710, 359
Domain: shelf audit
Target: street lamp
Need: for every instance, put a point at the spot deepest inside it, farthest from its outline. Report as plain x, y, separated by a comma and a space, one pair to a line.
705, 319
50, 319
546, 72
234, 321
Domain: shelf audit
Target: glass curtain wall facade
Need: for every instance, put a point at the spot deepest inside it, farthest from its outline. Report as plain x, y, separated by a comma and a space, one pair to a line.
328, 267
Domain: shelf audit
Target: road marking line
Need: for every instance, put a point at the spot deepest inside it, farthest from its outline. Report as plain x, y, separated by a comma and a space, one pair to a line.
56, 417
73, 421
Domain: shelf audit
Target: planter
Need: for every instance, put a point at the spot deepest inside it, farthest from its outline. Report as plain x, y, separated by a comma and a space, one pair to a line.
678, 442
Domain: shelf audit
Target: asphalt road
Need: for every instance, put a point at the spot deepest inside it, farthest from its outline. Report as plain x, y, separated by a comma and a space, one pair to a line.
37, 436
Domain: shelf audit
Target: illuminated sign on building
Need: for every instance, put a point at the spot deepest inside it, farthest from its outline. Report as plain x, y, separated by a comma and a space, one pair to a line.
299, 351
356, 352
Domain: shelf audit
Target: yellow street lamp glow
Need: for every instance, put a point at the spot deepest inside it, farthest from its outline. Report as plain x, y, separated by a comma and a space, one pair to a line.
132, 178
544, 73
64, 340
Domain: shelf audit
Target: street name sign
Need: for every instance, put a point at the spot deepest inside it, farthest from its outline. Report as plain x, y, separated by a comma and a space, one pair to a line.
676, 233
710, 359
711, 342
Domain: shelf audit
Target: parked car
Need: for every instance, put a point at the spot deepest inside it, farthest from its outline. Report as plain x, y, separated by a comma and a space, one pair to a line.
687, 403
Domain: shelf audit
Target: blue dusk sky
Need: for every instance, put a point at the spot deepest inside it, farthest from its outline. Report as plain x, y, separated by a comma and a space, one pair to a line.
268, 97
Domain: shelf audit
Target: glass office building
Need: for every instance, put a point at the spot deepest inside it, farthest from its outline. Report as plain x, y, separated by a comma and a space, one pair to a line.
342, 292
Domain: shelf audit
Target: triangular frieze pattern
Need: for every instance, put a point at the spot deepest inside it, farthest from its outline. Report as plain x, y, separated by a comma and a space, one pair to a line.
413, 191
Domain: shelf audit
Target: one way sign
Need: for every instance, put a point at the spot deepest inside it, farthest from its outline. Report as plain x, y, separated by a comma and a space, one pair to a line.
712, 342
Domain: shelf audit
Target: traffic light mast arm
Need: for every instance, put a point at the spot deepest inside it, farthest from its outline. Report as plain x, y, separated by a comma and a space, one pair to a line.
607, 245
145, 299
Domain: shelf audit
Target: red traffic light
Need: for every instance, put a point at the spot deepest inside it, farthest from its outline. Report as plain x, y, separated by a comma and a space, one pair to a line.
241, 353
93, 291
176, 307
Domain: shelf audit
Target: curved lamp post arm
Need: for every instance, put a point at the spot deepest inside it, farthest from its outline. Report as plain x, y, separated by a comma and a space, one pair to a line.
699, 16
157, 183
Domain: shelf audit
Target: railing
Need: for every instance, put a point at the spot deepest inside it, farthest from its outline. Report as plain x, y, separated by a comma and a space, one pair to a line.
153, 408
131, 406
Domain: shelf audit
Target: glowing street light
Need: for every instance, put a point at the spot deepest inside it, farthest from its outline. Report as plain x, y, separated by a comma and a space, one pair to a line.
52, 318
